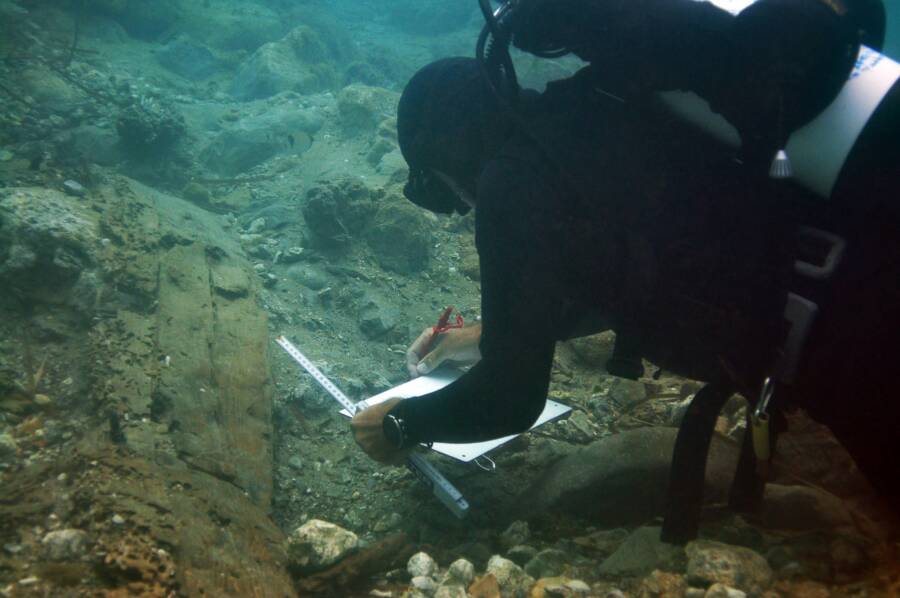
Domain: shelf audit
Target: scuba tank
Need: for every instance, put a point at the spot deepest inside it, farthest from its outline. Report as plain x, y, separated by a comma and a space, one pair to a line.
799, 80
819, 148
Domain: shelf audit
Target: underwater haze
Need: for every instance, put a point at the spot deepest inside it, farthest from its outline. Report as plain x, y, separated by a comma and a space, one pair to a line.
184, 181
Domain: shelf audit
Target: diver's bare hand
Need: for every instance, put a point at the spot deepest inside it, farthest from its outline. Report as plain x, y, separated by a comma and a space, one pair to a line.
369, 434
458, 345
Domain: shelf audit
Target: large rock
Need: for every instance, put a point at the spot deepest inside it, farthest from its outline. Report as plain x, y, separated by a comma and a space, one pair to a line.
362, 108
659, 584
95, 143
309, 275
51, 91
623, 478
47, 240
317, 544
300, 62
513, 581
421, 565
451, 591
377, 318
641, 553
627, 393
151, 125
255, 138
594, 350
336, 212
400, 237
800, 508
394, 168
809, 451
187, 58
516, 534
460, 572
734, 566
550, 562
65, 544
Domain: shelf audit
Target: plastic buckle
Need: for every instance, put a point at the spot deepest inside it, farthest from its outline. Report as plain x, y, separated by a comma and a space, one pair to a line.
832, 258
801, 313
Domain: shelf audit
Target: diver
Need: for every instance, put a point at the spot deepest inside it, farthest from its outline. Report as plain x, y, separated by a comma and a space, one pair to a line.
597, 210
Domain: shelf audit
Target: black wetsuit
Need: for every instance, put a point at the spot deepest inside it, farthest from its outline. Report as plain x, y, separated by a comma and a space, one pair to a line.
597, 216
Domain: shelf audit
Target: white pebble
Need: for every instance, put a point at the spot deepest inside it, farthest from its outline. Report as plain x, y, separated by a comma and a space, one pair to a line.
720, 590
74, 188
421, 565
424, 584
578, 586
461, 572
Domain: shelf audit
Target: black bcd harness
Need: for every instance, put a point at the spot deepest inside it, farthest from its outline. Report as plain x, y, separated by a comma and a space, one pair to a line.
765, 411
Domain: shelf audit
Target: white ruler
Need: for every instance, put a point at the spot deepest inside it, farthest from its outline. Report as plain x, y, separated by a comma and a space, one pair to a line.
425, 471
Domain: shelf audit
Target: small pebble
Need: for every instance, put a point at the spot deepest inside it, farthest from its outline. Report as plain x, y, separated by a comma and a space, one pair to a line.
720, 590
424, 584
578, 586
74, 188
421, 565
257, 226
461, 572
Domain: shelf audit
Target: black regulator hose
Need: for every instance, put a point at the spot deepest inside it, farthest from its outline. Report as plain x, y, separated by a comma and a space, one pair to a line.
492, 53
490, 20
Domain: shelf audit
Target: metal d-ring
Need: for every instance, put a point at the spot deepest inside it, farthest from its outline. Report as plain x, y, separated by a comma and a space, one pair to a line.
490, 467
768, 389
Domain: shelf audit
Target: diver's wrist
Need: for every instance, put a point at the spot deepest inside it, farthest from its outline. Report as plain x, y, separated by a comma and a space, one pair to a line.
395, 431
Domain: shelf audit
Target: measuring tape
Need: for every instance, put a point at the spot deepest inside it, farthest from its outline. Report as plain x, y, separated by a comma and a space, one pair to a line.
316, 373
425, 471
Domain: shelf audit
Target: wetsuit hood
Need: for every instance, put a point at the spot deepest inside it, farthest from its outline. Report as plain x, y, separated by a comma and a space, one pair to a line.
447, 120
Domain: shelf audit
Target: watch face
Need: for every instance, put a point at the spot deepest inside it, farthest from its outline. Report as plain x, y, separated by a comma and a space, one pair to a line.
393, 431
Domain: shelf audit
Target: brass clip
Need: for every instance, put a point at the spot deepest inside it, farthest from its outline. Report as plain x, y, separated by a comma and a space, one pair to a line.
760, 428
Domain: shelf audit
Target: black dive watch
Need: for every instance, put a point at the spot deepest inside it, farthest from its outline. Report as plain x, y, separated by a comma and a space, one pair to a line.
394, 429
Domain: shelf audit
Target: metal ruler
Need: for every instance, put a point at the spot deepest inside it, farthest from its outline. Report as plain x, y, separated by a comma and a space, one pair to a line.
425, 471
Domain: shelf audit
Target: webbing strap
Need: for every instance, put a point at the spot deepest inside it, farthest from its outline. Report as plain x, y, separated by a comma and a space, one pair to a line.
686, 477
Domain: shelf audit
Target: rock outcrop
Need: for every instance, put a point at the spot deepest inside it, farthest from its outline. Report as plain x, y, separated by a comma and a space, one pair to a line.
300, 61
623, 477
169, 487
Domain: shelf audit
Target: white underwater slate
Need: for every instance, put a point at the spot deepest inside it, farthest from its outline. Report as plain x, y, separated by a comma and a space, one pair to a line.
440, 378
